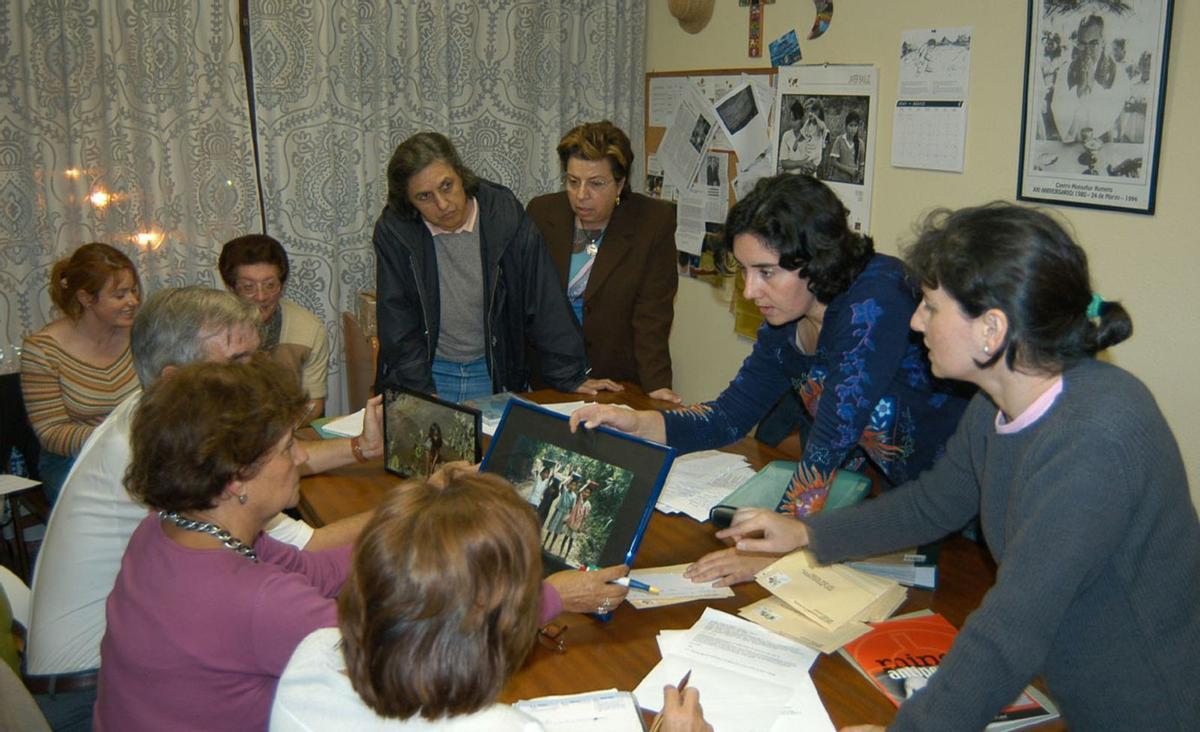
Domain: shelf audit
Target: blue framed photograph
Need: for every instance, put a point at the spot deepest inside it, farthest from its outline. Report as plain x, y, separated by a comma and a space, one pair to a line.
594, 491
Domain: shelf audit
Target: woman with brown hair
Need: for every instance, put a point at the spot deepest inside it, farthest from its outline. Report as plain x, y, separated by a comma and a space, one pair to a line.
440, 610
614, 251
207, 609
1077, 479
78, 368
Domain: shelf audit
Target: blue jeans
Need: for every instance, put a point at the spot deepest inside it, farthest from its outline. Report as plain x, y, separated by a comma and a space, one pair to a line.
53, 468
458, 382
68, 712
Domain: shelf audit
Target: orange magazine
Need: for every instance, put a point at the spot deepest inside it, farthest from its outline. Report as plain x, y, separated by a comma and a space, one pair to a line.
899, 656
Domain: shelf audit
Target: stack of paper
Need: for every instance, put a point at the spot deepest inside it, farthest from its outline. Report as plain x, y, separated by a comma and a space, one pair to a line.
749, 678
699, 481
833, 601
673, 588
777, 615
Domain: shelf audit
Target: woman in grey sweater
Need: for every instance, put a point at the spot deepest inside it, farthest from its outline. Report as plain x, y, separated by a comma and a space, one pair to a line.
1077, 479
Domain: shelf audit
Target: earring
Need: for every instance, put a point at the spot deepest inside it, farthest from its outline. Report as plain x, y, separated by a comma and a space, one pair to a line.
242, 499
987, 351
618, 203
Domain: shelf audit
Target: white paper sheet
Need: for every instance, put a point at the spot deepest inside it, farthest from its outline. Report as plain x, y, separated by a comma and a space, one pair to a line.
699, 481
740, 645
688, 136
672, 584
665, 92
689, 222
715, 652
350, 425
596, 711
929, 124
744, 121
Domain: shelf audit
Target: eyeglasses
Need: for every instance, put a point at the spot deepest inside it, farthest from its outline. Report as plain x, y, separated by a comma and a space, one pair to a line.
551, 637
595, 185
249, 287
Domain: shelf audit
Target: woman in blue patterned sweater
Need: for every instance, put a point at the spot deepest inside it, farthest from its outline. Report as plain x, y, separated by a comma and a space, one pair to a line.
837, 333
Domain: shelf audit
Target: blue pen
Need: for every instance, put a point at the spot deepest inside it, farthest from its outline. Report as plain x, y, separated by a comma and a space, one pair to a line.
635, 584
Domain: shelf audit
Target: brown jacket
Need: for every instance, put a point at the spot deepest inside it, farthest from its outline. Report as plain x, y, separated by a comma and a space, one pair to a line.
629, 302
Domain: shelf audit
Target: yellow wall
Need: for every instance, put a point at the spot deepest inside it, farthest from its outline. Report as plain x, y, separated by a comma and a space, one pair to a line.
1150, 263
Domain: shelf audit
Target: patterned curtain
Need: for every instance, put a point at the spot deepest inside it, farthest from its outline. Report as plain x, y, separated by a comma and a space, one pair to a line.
338, 84
148, 100
142, 102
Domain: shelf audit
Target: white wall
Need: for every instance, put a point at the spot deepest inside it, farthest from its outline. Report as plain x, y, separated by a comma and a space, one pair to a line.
1150, 263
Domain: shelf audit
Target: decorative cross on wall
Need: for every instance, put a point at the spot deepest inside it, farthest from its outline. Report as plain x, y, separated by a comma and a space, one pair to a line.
756, 24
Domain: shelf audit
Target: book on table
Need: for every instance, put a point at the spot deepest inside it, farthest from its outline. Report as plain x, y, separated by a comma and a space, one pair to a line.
899, 655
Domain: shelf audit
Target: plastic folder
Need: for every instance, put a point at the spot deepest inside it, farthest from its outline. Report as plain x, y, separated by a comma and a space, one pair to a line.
766, 489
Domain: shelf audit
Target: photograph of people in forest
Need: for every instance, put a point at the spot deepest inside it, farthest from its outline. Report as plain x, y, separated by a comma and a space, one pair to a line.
577, 498
421, 435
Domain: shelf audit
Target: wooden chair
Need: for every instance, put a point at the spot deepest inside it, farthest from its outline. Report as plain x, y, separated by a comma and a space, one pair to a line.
28, 507
361, 353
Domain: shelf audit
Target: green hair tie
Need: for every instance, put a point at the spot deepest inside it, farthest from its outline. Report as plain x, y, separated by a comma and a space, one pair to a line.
1093, 308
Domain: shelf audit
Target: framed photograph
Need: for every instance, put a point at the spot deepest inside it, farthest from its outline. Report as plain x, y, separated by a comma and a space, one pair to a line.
594, 490
421, 433
1095, 83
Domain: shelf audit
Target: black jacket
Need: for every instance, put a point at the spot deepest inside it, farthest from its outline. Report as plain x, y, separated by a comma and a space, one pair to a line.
524, 303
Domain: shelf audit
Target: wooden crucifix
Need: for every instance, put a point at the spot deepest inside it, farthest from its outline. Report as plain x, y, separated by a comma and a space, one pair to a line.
756, 24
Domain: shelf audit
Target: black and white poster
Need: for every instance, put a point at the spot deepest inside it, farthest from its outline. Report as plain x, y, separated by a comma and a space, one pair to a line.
1095, 75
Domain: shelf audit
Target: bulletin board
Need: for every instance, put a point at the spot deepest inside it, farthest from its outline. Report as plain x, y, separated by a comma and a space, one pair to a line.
714, 84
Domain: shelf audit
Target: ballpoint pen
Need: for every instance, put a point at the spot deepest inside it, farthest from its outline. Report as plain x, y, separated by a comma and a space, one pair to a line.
635, 584
658, 718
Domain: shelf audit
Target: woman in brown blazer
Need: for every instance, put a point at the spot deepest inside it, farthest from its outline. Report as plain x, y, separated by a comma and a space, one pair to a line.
614, 251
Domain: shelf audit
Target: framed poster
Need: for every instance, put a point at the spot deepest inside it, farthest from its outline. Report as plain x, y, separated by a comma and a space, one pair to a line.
593, 490
1095, 78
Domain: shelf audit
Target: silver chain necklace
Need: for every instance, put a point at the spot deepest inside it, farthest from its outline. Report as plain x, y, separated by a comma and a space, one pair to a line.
203, 527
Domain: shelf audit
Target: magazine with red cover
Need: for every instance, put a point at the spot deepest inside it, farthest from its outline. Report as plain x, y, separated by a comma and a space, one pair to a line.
899, 656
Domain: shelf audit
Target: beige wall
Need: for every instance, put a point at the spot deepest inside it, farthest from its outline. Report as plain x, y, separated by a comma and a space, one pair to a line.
1150, 263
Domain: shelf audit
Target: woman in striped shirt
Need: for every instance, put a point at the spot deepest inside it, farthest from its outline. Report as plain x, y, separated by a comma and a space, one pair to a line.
78, 368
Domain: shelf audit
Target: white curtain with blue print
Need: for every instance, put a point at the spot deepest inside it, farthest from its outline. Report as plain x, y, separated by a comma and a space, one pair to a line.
143, 101
148, 100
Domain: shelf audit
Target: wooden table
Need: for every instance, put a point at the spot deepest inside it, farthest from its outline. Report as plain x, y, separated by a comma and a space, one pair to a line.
620, 652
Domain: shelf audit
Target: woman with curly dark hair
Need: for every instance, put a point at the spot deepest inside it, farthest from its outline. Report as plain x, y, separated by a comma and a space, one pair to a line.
837, 333
1076, 477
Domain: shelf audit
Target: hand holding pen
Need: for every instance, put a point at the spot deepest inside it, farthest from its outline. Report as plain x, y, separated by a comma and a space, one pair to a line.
681, 711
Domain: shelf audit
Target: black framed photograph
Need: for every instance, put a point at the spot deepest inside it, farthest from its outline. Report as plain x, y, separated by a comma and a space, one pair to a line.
421, 433
1095, 83
594, 491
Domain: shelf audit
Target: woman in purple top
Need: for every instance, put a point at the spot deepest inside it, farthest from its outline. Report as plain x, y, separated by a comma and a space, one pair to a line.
207, 609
